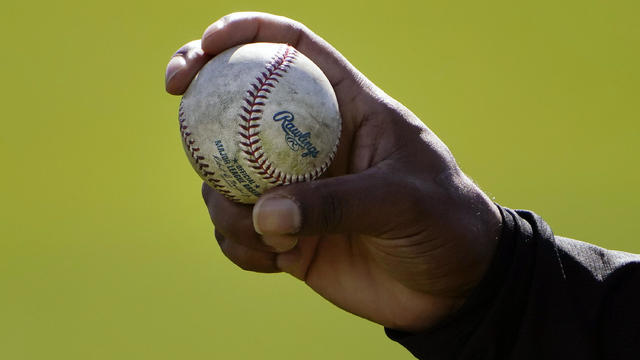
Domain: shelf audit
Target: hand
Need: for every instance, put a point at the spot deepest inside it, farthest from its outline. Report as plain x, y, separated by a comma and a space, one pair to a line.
395, 232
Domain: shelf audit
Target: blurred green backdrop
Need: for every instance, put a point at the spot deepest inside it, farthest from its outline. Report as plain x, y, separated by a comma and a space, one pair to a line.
106, 250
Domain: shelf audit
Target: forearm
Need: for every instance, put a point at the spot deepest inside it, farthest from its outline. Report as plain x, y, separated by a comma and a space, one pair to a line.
543, 297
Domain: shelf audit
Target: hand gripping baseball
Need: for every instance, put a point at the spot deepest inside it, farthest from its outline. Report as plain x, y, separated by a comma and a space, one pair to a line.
395, 232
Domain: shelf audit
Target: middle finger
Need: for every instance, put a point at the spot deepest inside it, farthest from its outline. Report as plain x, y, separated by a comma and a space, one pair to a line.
232, 220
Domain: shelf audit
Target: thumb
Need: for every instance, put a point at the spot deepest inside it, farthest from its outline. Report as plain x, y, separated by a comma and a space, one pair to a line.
371, 203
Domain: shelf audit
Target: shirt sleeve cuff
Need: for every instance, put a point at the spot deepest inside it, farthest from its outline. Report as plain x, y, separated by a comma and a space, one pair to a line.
443, 340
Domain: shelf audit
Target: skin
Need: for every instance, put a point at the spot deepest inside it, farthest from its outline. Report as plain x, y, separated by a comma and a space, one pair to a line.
395, 232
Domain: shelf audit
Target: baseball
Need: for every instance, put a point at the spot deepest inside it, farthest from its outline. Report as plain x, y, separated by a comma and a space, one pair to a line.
257, 116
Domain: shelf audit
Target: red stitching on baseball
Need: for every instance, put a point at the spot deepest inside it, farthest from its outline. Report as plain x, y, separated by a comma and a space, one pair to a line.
256, 99
192, 149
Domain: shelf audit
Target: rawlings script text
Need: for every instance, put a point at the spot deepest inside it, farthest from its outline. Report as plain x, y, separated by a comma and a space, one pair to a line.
295, 138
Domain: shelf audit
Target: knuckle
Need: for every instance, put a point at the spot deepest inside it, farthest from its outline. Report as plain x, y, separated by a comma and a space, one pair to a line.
293, 26
235, 254
246, 265
224, 223
243, 257
238, 15
229, 17
219, 238
225, 247
297, 31
331, 212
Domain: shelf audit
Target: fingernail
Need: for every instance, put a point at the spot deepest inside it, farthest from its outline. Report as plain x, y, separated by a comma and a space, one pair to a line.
276, 215
176, 64
280, 243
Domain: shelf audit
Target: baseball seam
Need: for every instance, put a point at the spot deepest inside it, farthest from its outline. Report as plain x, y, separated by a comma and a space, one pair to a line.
192, 149
251, 115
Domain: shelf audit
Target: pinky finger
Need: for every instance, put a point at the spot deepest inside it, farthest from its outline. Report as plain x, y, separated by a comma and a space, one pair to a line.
247, 258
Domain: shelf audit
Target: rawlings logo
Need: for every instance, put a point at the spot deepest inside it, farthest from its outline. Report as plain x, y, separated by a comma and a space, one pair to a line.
295, 138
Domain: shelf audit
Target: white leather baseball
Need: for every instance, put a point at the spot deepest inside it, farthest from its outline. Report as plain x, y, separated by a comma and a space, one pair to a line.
257, 116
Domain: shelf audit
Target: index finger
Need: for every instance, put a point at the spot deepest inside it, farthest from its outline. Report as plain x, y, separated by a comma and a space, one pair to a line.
247, 27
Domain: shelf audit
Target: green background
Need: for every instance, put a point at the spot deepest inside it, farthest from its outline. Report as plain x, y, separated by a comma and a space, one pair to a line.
106, 249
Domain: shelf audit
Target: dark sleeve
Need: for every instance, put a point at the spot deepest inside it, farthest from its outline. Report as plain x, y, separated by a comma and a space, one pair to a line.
543, 297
